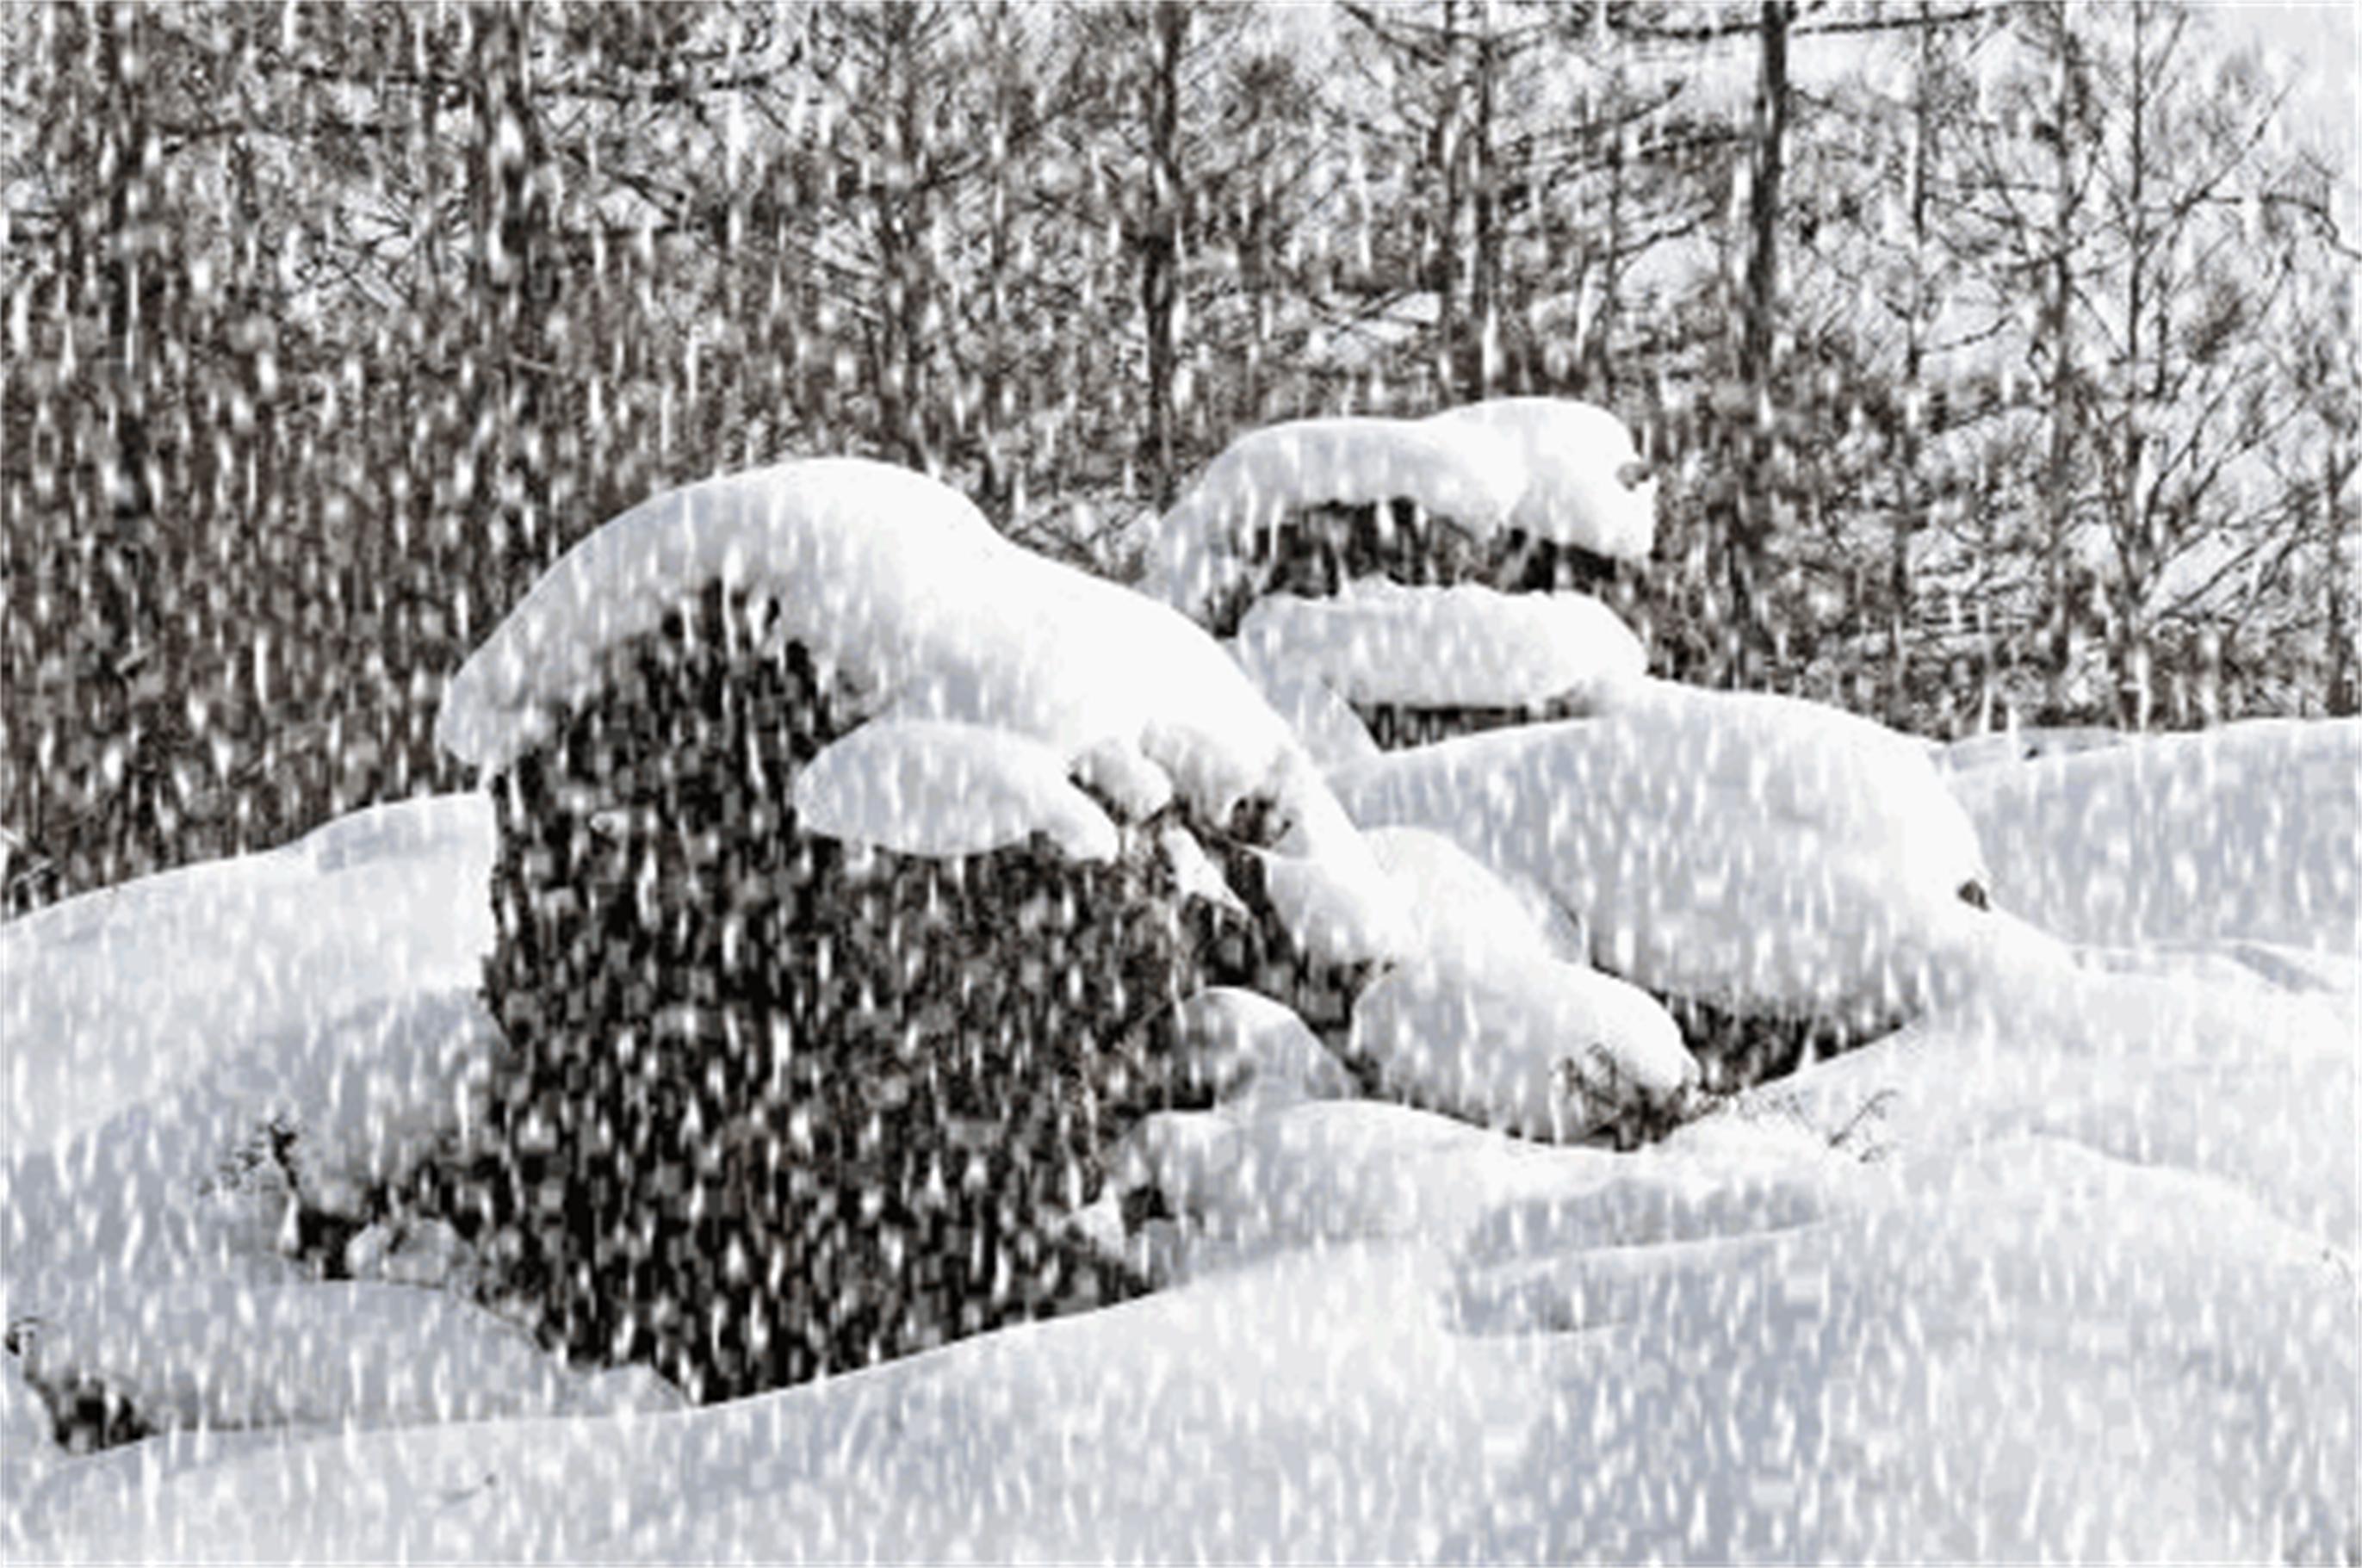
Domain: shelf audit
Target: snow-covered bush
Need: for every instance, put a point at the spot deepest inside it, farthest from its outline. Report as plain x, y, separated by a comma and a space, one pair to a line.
1352, 552
850, 861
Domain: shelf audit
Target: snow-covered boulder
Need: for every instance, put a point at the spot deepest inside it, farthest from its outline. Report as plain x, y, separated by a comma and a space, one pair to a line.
1496, 1016
920, 786
1467, 914
1518, 493
1332, 735
849, 856
1759, 853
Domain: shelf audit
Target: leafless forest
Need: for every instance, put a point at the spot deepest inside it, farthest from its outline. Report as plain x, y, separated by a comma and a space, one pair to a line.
1999, 360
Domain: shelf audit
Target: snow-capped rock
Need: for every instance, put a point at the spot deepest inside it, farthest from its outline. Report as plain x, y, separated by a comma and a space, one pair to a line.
903, 592
1760, 852
1495, 1015
1330, 731
1557, 471
1466, 474
1469, 915
1536, 1047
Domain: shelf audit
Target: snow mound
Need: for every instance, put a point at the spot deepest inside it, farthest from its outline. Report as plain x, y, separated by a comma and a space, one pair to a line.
1484, 1021
1242, 1178
938, 789
2246, 830
1332, 733
1542, 1049
1465, 645
1761, 853
1466, 914
227, 1358
232, 977
1238, 1044
1577, 461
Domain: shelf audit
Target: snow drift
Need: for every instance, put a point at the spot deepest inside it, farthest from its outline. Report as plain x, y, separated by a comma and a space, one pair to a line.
1758, 853
2067, 1277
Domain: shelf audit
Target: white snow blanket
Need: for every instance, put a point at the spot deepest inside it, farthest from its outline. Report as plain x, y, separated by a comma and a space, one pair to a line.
1463, 647
2065, 1270
228, 1357
1557, 469
1763, 853
899, 586
2246, 830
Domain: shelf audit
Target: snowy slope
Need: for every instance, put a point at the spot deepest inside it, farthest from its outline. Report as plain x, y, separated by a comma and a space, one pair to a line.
140, 992
2246, 830
2065, 1269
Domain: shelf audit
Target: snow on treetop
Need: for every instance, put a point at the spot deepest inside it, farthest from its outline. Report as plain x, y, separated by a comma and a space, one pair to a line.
900, 586
1466, 645
1550, 467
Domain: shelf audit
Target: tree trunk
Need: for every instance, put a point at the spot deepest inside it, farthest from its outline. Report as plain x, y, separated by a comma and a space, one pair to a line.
2344, 690
1751, 517
1484, 304
2058, 331
514, 284
1910, 516
1160, 260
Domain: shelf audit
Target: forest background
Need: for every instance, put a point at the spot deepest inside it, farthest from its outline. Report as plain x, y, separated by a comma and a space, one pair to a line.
2000, 359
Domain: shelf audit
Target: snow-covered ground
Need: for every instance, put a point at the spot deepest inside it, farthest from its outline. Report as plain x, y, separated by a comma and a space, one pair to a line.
2065, 1268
